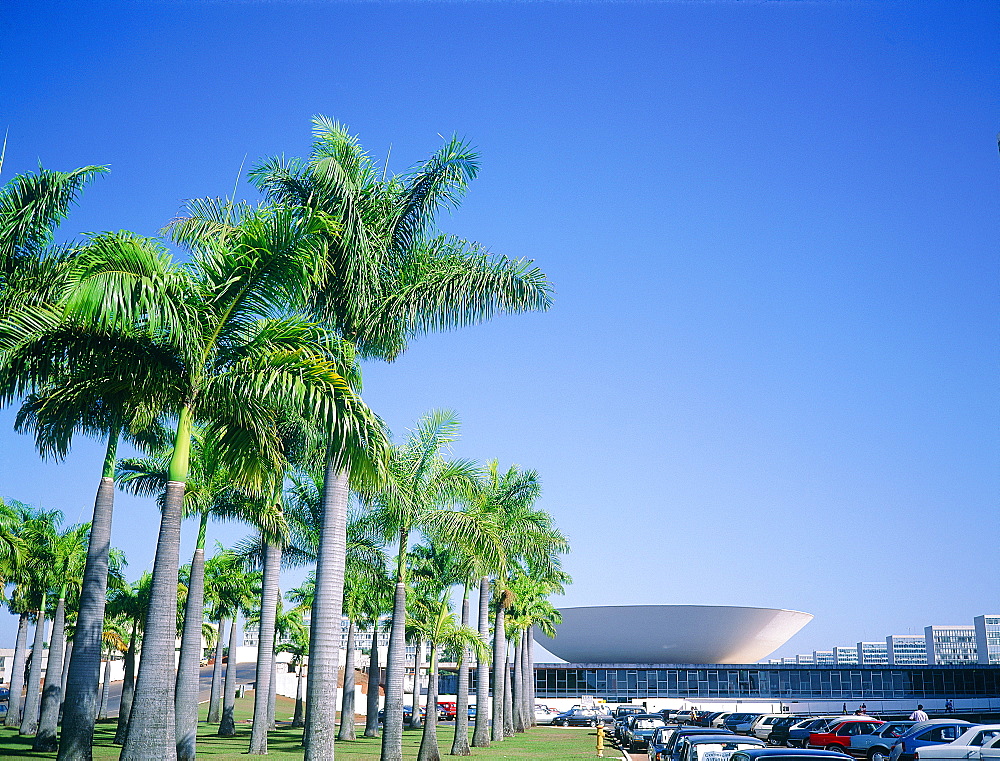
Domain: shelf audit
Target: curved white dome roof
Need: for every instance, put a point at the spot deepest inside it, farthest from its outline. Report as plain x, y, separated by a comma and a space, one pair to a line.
671, 633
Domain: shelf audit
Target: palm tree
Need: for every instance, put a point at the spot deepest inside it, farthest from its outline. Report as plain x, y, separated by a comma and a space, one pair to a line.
422, 489
389, 276
442, 632
69, 554
129, 604
297, 645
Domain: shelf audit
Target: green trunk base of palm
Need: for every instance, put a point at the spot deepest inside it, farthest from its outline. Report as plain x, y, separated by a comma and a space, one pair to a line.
152, 729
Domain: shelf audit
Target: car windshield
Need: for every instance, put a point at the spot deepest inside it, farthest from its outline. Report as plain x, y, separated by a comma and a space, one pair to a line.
717, 751
648, 723
662, 735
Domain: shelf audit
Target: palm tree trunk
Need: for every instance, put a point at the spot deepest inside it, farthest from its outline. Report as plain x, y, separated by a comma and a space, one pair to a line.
216, 694
499, 661
418, 662
272, 695
106, 689
13, 719
527, 677
227, 724
347, 704
297, 719
460, 745
371, 706
481, 735
324, 634
265, 649
152, 729
508, 706
67, 654
46, 739
517, 683
531, 676
80, 702
392, 725
29, 721
188, 667
429, 750
128, 688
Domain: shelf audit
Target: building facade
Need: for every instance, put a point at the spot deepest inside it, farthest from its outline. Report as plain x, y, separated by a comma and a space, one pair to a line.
951, 645
906, 649
873, 654
845, 656
987, 638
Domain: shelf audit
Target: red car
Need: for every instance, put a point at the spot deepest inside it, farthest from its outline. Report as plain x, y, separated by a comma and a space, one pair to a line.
838, 735
448, 711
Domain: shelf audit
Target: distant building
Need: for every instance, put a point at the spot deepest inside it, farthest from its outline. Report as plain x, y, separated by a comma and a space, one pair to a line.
845, 656
951, 644
804, 658
873, 654
988, 638
906, 649
824, 658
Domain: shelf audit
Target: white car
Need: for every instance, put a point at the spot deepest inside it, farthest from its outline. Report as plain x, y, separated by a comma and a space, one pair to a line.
978, 743
761, 727
544, 714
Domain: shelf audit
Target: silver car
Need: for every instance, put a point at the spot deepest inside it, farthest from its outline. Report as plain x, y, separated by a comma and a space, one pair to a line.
876, 746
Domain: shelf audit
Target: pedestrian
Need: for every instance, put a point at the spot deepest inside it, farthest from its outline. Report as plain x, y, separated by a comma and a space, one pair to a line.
919, 714
863, 710
843, 711
949, 706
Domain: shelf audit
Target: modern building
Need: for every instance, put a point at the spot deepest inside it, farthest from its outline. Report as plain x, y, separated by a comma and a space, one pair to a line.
988, 638
824, 658
951, 644
804, 659
845, 656
873, 654
906, 649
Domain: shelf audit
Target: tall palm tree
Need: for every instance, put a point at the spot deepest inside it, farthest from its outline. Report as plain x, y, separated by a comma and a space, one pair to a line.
422, 490
389, 276
220, 611
129, 604
69, 554
297, 645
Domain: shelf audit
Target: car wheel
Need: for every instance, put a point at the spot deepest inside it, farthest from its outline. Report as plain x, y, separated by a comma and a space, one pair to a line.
835, 748
878, 754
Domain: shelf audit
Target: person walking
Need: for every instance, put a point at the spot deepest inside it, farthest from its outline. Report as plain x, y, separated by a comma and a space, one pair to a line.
919, 714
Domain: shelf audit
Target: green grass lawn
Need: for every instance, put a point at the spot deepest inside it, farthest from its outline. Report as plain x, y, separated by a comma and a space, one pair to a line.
551, 743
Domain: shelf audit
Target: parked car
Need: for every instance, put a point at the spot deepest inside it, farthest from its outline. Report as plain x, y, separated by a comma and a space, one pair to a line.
718, 721
837, 734
875, 746
544, 714
977, 743
798, 734
675, 741
714, 747
740, 723
708, 718
780, 729
784, 754
582, 717
640, 728
658, 742
762, 725
447, 711
934, 732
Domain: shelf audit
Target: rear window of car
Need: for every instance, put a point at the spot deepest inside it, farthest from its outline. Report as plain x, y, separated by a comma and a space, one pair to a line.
647, 723
984, 736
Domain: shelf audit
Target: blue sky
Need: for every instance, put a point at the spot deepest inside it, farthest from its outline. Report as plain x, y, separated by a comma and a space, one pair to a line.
769, 376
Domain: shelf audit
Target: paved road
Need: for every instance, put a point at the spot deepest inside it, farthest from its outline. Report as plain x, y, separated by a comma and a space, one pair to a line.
245, 674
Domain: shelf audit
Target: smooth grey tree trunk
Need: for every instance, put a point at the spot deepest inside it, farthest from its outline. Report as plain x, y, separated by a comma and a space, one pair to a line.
227, 723
152, 728
499, 660
105, 690
392, 725
481, 735
429, 750
128, 688
347, 731
297, 718
460, 745
265, 649
324, 637
517, 685
13, 719
67, 654
32, 697
418, 662
531, 676
371, 705
81, 694
216, 694
527, 677
46, 739
272, 695
188, 667
508, 706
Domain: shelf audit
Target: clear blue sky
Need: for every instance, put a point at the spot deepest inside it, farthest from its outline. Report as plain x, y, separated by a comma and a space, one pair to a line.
770, 374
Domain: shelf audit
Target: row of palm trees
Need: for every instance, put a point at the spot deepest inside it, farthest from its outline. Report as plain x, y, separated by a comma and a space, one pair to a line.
239, 367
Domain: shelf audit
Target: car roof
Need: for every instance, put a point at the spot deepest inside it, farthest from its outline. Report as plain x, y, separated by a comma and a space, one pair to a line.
792, 753
725, 738
938, 722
